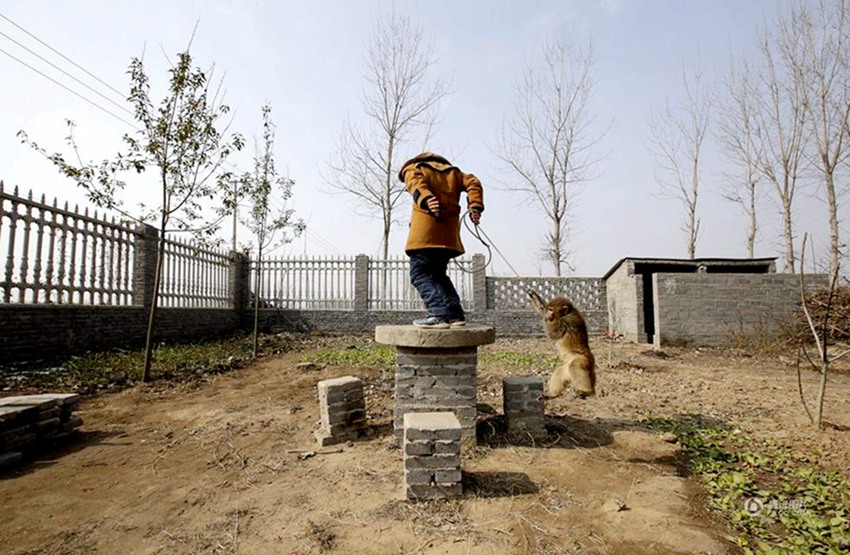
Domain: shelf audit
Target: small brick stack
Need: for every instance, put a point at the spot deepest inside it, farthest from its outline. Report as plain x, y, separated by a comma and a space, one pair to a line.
436, 380
28, 421
342, 408
523, 408
432, 455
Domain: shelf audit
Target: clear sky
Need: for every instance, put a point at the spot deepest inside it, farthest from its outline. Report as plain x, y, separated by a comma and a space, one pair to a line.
305, 58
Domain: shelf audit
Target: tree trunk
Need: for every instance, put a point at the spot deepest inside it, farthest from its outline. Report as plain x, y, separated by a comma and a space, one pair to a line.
832, 206
385, 240
790, 261
385, 251
235, 213
556, 246
691, 233
160, 257
692, 208
257, 284
751, 236
824, 370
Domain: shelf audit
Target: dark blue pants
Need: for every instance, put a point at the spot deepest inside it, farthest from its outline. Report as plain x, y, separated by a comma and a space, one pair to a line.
428, 276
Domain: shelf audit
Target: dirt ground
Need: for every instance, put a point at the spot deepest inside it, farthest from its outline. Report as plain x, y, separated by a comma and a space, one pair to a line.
232, 466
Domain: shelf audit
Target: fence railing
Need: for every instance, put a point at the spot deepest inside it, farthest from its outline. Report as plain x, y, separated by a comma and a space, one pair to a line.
390, 287
58, 256
61, 256
309, 283
193, 277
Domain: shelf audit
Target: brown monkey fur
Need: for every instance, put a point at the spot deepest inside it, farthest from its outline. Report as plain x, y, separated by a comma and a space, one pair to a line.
564, 324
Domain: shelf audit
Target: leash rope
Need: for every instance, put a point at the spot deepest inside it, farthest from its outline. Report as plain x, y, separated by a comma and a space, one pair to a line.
477, 232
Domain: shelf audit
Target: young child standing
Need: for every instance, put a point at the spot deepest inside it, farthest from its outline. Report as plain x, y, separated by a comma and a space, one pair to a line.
434, 237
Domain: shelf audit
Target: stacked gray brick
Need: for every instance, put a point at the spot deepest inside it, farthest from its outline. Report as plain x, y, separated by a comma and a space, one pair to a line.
524, 414
342, 409
30, 421
436, 380
723, 309
432, 442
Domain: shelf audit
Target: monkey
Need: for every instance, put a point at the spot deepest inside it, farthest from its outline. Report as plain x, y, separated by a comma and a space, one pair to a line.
565, 325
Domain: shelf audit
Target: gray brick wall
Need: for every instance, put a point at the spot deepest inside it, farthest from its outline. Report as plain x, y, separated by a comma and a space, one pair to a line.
721, 309
625, 303
37, 332
698, 309
508, 323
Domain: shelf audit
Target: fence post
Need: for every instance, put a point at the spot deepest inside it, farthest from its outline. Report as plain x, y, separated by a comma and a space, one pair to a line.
239, 280
361, 283
144, 264
479, 283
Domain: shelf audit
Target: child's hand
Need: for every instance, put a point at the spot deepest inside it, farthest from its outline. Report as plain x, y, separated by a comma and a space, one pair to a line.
434, 206
475, 216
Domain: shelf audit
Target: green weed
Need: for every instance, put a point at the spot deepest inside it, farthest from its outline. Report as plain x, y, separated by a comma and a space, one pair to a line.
777, 501
358, 354
115, 370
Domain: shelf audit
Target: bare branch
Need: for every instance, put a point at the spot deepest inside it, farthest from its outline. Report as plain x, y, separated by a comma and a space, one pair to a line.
548, 142
816, 47
736, 133
400, 103
678, 133
800, 386
780, 123
839, 356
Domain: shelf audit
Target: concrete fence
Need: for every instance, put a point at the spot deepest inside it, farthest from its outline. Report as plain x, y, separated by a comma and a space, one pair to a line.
74, 281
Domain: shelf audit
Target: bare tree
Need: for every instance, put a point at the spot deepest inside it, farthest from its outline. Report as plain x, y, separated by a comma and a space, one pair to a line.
548, 141
780, 128
821, 333
183, 139
678, 134
736, 133
816, 44
269, 222
400, 103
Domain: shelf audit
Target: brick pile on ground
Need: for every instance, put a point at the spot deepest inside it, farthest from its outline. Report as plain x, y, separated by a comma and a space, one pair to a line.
523, 405
30, 421
342, 409
432, 455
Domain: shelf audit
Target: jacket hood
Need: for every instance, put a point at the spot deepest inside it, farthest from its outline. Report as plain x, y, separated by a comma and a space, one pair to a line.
424, 157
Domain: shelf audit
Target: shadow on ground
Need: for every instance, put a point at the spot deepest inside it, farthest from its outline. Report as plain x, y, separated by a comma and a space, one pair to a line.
497, 484
563, 432
48, 454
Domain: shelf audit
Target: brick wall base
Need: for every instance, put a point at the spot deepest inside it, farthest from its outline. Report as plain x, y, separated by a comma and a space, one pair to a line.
42, 332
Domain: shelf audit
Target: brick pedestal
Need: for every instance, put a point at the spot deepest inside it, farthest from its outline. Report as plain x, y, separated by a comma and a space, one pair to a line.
432, 455
523, 408
436, 371
342, 410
